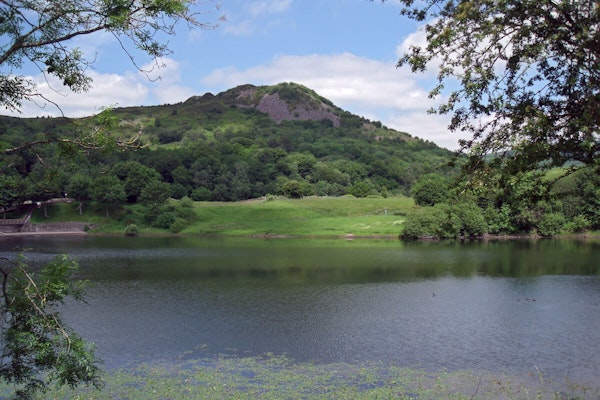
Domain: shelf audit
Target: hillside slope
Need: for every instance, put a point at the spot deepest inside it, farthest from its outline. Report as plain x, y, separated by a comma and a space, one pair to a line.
246, 142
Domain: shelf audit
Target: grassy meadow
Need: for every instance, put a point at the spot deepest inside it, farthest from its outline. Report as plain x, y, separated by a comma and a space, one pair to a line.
270, 216
313, 217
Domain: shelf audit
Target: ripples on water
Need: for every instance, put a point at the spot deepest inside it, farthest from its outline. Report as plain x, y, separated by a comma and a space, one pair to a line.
490, 306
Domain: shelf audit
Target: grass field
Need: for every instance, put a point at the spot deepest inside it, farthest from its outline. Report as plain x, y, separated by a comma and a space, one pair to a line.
307, 217
313, 217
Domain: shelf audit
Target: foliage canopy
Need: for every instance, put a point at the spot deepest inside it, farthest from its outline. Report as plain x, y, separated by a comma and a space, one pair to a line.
39, 33
37, 347
528, 76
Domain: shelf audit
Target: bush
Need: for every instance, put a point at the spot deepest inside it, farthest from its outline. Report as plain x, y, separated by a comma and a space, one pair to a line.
186, 202
185, 213
578, 224
178, 225
131, 230
361, 189
201, 194
443, 221
426, 222
498, 220
468, 218
179, 191
170, 136
551, 224
296, 189
164, 220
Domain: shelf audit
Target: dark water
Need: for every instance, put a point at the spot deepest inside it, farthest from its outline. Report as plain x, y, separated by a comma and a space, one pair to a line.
497, 306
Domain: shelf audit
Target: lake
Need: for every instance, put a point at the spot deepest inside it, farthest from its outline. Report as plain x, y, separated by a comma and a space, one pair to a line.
506, 306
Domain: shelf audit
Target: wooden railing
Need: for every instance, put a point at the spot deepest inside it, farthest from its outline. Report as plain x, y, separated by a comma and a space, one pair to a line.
30, 207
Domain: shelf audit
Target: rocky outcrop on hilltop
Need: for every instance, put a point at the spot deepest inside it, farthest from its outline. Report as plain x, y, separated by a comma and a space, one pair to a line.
286, 102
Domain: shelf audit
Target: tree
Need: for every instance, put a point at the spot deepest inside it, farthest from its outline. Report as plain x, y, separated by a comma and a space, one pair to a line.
79, 189
361, 188
155, 194
38, 32
107, 191
430, 189
9, 192
37, 347
528, 75
296, 189
135, 177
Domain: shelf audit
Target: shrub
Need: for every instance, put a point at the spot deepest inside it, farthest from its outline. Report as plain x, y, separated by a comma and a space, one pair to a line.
498, 220
131, 230
201, 194
467, 219
164, 220
185, 213
169, 136
425, 222
443, 221
178, 225
186, 202
551, 224
361, 188
578, 224
296, 189
179, 191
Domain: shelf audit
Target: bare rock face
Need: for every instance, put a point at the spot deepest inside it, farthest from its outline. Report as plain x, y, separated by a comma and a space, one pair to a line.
291, 102
279, 110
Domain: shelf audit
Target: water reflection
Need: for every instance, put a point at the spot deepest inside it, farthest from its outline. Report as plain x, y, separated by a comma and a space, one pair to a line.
174, 258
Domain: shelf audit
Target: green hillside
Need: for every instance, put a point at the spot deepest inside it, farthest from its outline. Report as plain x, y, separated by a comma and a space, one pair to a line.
243, 143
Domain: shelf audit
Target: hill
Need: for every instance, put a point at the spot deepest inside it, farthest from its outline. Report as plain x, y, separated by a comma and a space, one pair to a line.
243, 143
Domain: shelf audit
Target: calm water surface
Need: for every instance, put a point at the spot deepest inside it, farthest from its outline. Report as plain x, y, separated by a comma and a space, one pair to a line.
497, 306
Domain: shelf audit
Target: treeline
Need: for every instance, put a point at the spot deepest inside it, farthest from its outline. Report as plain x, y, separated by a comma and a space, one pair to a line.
542, 203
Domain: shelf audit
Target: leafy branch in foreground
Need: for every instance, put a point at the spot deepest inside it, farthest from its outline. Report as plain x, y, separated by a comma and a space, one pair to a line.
521, 77
95, 136
38, 349
37, 32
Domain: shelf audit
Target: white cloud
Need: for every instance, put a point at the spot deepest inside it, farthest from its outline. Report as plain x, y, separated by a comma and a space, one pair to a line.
165, 78
373, 89
161, 83
255, 16
427, 127
258, 8
107, 90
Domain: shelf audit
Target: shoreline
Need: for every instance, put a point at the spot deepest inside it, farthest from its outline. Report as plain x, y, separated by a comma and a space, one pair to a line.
42, 233
347, 237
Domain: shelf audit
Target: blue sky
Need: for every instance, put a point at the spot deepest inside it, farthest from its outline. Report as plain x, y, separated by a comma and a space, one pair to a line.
345, 50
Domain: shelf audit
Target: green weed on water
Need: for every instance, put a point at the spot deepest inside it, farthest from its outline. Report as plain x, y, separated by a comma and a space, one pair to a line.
277, 377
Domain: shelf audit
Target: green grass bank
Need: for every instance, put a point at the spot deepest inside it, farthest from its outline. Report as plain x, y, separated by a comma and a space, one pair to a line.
306, 217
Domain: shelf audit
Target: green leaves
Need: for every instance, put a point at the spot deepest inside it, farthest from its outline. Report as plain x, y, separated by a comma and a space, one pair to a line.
37, 32
38, 348
528, 73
